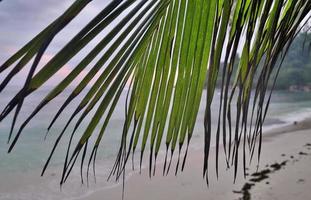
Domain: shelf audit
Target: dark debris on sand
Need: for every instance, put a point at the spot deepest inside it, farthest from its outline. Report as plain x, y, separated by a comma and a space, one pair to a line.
278, 166
264, 174
259, 177
245, 191
308, 145
303, 153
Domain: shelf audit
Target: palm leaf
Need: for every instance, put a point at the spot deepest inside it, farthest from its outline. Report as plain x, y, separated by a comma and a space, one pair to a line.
166, 49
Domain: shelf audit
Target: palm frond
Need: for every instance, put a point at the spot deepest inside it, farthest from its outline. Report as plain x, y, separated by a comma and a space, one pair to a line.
165, 49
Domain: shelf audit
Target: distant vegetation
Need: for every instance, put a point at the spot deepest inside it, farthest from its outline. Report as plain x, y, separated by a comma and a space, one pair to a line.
295, 73
296, 69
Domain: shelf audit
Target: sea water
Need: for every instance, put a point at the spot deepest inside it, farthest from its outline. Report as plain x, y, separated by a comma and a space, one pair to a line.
22, 167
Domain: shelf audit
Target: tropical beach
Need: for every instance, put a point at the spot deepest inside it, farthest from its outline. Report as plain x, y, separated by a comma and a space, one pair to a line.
284, 163
282, 174
155, 99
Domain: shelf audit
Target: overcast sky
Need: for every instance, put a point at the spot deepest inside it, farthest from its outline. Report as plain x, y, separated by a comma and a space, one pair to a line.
21, 20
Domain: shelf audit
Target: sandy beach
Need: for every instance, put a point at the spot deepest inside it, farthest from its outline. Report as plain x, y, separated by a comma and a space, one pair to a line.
284, 174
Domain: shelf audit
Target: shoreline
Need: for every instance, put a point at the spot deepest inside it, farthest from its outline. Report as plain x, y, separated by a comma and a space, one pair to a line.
188, 184
140, 186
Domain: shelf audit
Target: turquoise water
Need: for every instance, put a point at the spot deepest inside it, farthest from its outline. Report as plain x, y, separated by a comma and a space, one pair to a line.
290, 106
32, 150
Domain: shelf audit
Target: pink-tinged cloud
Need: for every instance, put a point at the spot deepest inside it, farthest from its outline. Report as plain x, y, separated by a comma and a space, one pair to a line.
10, 50
32, 13
65, 71
54, 80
